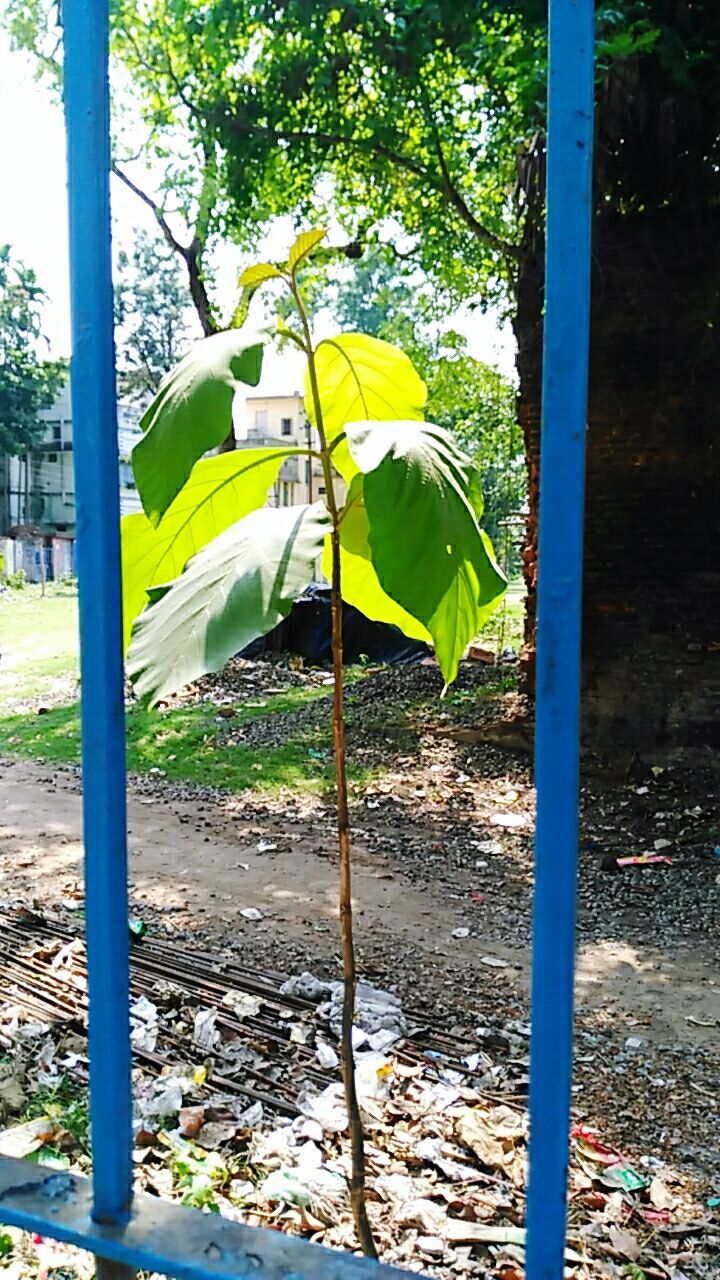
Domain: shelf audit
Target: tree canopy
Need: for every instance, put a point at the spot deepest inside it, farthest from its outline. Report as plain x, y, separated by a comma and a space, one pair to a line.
28, 383
417, 122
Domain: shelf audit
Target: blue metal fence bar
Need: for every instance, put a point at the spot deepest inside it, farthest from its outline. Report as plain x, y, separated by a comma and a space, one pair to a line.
169, 1238
562, 477
98, 520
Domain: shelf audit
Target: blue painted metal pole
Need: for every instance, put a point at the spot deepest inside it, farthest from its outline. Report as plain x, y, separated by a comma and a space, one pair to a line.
562, 479
98, 517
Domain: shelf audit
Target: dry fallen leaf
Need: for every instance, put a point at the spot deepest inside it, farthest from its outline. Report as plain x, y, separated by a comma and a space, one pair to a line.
625, 1242
472, 1130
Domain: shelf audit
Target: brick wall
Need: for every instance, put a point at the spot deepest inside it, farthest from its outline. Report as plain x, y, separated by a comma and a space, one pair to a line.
651, 623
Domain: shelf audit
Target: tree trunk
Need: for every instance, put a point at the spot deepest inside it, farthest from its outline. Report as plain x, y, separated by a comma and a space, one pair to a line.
651, 621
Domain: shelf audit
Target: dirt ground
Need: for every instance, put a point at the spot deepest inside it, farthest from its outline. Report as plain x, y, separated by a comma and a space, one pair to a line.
203, 863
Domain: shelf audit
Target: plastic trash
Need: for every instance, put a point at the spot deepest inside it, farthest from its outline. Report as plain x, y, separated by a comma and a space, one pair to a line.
326, 1056
205, 1032
241, 1004
290, 1186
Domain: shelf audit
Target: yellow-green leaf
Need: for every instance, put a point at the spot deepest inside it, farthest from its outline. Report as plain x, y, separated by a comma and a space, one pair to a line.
192, 413
220, 491
361, 379
237, 588
425, 543
262, 271
305, 243
360, 585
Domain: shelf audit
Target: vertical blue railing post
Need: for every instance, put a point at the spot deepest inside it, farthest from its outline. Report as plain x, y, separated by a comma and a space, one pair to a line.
95, 455
562, 479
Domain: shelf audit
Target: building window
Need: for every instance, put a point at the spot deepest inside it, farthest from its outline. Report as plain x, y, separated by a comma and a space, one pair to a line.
261, 419
52, 457
56, 431
286, 426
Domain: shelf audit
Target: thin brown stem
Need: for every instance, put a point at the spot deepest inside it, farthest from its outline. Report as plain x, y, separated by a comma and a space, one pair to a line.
347, 1055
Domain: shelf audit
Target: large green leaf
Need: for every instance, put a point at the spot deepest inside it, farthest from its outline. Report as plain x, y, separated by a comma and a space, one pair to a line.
426, 546
191, 414
220, 491
362, 378
360, 586
239, 587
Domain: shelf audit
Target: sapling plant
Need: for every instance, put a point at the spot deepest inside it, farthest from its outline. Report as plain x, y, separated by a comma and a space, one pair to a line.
207, 568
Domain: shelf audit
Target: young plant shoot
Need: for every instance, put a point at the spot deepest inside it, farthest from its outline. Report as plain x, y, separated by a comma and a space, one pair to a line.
208, 567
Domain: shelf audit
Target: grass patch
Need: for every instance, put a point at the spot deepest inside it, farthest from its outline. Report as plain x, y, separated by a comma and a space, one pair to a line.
38, 640
186, 744
504, 628
67, 1104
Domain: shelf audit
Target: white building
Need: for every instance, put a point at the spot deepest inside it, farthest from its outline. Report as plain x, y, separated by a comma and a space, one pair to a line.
37, 490
272, 421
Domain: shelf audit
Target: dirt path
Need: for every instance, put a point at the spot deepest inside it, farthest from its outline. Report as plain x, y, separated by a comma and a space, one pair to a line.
200, 869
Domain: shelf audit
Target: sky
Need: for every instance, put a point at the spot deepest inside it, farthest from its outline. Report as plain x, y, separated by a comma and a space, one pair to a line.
33, 220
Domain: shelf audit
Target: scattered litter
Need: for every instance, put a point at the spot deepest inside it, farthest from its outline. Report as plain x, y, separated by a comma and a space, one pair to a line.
509, 819
326, 1108
241, 1004
251, 1117
375, 1011
326, 1056
460, 933
306, 1188
144, 1024
251, 913
205, 1032
265, 846
644, 860
476, 653
494, 962
306, 986
22, 1139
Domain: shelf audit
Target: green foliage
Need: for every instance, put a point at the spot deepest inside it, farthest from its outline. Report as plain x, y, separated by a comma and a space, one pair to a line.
151, 315
198, 1174
239, 587
360, 583
218, 492
360, 378
417, 506
191, 414
16, 580
425, 543
28, 383
65, 1103
368, 108
407, 121
469, 397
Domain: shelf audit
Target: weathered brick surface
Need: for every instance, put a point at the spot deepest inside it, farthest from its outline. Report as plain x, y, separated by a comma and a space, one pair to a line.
651, 622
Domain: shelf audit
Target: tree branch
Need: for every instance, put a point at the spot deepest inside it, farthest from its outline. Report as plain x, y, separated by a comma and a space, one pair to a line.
443, 184
455, 199
331, 140
191, 254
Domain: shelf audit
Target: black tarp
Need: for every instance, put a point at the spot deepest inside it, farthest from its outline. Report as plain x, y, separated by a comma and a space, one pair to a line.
307, 631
